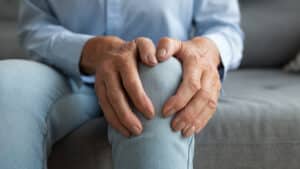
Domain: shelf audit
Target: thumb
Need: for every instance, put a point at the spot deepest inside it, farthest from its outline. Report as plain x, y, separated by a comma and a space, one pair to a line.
167, 47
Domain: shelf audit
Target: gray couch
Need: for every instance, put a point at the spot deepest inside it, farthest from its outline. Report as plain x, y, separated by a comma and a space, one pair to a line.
257, 125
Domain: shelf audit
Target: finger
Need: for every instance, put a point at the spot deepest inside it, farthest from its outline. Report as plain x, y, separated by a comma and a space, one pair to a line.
187, 89
167, 47
203, 119
189, 113
134, 88
189, 131
211, 82
109, 113
146, 50
120, 105
209, 111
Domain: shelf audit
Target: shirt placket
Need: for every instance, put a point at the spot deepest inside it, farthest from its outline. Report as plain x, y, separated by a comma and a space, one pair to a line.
113, 10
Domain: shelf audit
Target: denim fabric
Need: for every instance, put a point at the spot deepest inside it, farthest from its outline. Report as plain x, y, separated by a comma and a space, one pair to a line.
158, 147
39, 106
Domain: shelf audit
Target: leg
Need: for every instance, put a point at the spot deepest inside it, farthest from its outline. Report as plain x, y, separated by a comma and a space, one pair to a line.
158, 147
35, 110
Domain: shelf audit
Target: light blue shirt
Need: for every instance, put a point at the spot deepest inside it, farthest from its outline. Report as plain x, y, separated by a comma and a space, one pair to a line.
55, 31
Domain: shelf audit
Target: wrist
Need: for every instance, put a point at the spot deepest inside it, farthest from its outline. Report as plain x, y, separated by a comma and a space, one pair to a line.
87, 60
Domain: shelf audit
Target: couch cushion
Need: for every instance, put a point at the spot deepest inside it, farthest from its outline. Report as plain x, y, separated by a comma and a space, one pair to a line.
8, 9
258, 107
272, 30
294, 65
256, 126
9, 47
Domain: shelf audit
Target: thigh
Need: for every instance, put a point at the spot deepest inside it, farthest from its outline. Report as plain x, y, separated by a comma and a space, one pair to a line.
37, 107
27, 91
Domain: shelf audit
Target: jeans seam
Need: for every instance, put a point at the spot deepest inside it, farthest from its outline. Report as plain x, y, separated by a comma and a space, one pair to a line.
46, 138
189, 152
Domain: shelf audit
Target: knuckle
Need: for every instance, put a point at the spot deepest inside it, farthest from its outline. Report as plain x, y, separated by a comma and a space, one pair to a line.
164, 41
129, 46
213, 107
197, 122
219, 86
186, 116
112, 96
205, 95
125, 64
143, 39
121, 57
124, 116
179, 105
204, 66
130, 83
194, 85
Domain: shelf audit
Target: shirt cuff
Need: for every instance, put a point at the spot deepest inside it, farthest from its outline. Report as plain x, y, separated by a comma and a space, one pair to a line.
88, 79
67, 47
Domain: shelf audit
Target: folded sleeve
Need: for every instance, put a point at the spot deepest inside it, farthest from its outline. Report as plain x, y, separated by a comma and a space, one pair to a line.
47, 41
219, 21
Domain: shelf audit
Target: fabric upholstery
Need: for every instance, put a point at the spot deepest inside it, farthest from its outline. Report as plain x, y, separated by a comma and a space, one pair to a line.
294, 65
9, 44
272, 29
8, 9
256, 126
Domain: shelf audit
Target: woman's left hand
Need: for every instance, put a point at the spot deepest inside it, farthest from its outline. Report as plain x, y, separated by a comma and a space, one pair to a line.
196, 99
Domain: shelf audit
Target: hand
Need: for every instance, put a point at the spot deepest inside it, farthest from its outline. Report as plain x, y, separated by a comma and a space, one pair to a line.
114, 62
196, 98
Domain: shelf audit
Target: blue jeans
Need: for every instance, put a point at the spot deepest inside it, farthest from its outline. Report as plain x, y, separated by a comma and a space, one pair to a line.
39, 106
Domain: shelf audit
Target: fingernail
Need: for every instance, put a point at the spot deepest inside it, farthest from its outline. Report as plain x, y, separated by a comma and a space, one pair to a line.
169, 112
162, 53
179, 126
172, 111
152, 60
150, 109
168, 108
190, 132
151, 114
136, 130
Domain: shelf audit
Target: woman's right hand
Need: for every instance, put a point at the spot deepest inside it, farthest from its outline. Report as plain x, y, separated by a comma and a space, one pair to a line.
114, 63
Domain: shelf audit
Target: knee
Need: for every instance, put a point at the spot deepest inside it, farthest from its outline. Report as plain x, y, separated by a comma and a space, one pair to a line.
160, 82
158, 140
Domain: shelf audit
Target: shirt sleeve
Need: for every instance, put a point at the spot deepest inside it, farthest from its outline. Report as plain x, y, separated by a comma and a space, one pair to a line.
219, 20
47, 41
